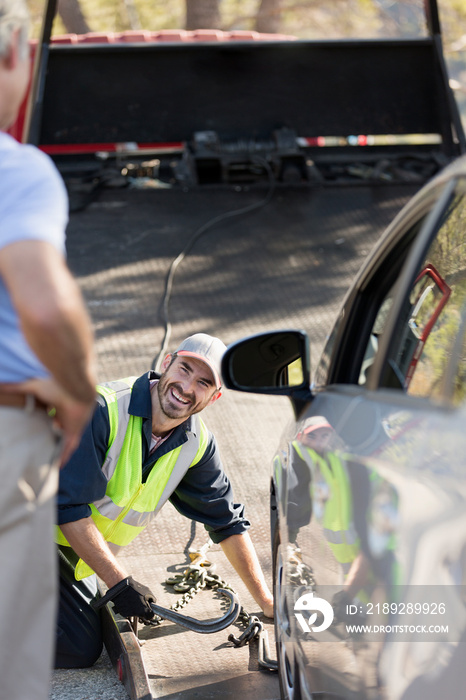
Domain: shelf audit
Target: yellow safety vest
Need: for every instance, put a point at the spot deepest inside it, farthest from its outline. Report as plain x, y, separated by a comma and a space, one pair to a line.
129, 505
337, 516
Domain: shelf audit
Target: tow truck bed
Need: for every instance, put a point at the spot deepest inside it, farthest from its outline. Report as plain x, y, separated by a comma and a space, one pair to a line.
242, 276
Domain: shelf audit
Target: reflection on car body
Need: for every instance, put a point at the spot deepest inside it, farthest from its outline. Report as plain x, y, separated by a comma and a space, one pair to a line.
369, 480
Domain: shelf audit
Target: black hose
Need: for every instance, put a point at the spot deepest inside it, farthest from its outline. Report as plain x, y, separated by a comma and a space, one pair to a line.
194, 238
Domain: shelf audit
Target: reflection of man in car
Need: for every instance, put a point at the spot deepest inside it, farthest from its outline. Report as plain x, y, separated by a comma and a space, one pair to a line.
322, 487
317, 446
315, 439
318, 435
315, 436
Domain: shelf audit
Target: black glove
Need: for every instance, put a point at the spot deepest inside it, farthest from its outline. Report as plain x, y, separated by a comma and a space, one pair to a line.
130, 599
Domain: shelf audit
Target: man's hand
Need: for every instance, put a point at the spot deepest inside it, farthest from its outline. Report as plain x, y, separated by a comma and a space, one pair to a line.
267, 608
130, 599
70, 416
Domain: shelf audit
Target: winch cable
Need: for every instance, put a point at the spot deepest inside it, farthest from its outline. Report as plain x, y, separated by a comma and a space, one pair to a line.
194, 238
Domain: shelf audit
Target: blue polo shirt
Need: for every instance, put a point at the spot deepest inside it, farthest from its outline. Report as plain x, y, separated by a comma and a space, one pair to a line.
33, 206
204, 494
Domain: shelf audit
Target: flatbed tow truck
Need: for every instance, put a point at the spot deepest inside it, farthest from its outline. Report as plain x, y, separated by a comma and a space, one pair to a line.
216, 182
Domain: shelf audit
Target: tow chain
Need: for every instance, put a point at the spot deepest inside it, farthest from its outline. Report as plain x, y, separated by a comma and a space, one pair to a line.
199, 575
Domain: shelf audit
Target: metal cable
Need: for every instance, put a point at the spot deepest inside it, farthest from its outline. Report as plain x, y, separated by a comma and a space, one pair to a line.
194, 238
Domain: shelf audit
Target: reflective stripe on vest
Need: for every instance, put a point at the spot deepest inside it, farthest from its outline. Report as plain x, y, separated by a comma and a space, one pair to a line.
129, 505
337, 517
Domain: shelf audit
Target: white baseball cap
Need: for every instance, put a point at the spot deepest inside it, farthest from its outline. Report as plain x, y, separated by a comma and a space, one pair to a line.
315, 423
206, 348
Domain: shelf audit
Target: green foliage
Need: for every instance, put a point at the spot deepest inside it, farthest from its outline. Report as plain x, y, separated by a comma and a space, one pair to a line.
453, 20
444, 343
301, 18
113, 15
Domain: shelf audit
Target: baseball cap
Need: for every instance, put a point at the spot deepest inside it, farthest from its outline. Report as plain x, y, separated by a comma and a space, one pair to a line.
315, 423
207, 349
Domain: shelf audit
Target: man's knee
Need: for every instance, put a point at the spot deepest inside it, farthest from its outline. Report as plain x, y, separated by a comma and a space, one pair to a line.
79, 633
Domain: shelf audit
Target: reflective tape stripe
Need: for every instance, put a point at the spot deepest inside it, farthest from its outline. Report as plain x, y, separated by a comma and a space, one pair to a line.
188, 454
118, 406
341, 536
108, 508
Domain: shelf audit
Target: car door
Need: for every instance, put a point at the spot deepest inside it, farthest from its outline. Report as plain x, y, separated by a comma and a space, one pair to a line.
374, 512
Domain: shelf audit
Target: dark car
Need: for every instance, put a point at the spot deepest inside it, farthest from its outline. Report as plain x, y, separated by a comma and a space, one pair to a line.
368, 506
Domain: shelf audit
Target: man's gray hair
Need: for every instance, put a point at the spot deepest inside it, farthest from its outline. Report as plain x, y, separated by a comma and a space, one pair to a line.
14, 15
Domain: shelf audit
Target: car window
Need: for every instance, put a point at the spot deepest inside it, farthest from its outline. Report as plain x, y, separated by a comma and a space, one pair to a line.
428, 355
351, 347
382, 311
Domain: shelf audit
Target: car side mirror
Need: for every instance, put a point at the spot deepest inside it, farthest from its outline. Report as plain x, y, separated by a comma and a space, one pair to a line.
268, 363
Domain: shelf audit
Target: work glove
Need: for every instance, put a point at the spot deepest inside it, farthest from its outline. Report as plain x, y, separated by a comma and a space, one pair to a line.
130, 599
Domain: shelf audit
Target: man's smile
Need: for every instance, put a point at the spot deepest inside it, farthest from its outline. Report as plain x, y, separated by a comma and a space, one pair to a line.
176, 395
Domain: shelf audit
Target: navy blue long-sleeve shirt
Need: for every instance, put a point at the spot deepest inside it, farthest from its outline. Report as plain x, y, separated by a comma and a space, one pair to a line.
204, 494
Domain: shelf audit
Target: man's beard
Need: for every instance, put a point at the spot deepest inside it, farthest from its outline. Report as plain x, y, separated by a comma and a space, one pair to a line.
178, 411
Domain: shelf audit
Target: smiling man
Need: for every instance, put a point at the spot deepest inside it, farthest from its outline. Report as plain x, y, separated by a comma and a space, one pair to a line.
146, 444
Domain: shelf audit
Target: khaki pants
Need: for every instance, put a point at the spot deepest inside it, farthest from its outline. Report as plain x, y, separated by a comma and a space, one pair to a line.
28, 580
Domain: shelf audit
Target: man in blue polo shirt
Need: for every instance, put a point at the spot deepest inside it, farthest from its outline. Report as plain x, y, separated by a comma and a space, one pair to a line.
46, 360
146, 444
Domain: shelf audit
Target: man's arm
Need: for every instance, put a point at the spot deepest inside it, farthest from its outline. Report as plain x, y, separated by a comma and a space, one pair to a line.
240, 552
57, 327
205, 495
130, 598
88, 543
52, 313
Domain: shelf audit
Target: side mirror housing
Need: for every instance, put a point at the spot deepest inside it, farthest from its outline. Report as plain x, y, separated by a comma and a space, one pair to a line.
276, 362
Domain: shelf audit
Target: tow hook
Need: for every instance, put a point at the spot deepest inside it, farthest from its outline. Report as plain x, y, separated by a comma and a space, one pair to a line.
203, 626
